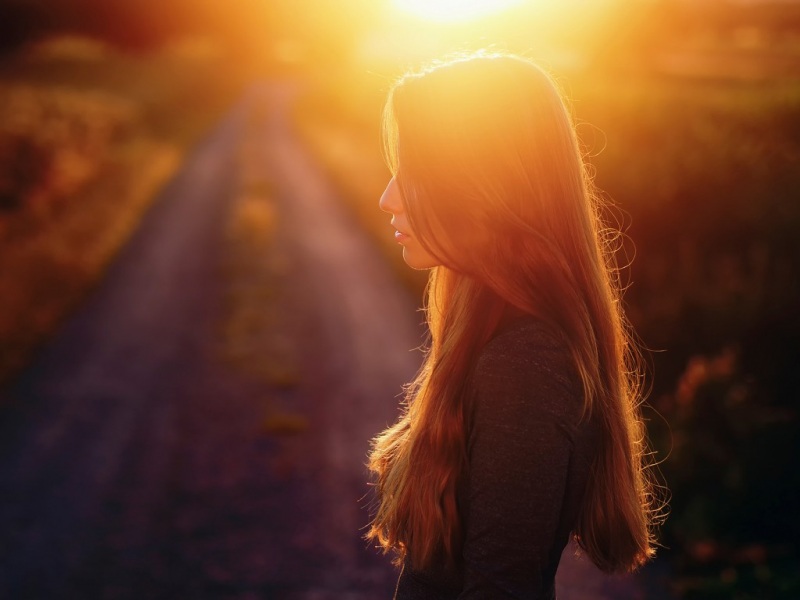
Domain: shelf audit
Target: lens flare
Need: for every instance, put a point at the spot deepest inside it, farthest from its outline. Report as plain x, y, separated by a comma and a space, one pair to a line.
448, 11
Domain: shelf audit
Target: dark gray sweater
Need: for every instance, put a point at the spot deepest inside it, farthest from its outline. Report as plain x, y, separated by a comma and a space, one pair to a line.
529, 460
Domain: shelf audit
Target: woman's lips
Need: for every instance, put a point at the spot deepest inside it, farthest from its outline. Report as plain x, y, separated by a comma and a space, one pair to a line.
400, 236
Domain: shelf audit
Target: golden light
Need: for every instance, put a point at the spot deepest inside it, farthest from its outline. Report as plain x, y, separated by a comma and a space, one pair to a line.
453, 10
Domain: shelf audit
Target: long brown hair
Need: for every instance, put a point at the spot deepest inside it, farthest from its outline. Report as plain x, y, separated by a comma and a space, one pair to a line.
494, 185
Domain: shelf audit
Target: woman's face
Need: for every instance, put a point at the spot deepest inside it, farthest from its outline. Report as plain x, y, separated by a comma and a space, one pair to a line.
415, 255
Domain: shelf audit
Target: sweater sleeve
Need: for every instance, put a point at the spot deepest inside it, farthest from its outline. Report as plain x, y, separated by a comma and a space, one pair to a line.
524, 414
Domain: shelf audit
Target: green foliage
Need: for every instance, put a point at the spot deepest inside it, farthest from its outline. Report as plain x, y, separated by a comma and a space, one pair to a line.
717, 412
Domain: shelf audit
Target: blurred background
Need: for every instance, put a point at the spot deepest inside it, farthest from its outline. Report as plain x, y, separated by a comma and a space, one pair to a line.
688, 111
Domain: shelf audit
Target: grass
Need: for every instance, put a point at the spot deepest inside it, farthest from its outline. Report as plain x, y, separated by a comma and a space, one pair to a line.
88, 136
253, 336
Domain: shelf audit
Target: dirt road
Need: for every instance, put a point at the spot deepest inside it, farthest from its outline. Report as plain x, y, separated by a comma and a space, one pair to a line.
134, 463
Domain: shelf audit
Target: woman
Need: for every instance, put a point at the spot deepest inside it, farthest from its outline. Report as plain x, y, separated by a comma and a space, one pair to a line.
522, 426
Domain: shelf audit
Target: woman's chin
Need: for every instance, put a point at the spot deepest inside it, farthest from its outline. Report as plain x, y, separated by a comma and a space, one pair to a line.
419, 261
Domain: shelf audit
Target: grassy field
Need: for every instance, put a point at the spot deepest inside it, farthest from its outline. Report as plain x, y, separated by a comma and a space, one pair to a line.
703, 177
88, 135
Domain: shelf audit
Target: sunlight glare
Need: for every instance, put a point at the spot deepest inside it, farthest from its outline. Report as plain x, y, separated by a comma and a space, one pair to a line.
453, 10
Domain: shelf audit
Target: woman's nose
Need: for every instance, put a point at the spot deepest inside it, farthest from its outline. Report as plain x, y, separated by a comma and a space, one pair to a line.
391, 201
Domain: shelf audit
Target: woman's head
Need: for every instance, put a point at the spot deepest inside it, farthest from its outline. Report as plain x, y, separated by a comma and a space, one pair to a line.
490, 184
485, 159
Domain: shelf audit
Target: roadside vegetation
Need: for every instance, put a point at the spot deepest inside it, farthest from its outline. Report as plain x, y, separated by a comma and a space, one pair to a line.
88, 135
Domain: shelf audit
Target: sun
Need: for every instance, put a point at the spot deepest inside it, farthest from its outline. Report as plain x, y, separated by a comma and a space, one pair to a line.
449, 11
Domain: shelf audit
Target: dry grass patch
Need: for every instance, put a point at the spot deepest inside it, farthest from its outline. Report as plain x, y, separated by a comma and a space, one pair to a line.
46, 266
88, 136
278, 423
254, 336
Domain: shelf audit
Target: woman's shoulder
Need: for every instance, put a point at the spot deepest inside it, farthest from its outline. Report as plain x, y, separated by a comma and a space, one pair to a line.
529, 361
526, 342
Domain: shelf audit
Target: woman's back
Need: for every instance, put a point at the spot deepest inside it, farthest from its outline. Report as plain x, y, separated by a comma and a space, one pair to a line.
529, 457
